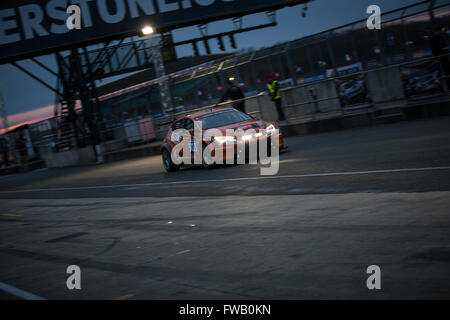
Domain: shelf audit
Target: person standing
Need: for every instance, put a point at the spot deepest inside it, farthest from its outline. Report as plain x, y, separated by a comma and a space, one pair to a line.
275, 93
235, 94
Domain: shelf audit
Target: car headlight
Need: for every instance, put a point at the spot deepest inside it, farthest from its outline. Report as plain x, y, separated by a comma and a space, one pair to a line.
224, 139
271, 129
250, 136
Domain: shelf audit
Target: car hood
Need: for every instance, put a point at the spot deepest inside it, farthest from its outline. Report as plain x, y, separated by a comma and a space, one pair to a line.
250, 124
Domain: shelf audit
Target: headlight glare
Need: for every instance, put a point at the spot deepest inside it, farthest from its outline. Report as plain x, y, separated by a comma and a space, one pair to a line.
224, 139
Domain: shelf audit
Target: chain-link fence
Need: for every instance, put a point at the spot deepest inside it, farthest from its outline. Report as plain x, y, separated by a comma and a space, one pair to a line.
406, 34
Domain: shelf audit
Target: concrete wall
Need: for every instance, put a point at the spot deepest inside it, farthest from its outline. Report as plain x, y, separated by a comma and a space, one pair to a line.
251, 106
119, 133
323, 90
267, 108
69, 158
260, 106
385, 86
113, 145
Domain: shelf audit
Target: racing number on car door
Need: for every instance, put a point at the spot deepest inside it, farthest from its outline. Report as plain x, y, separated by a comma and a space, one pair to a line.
189, 125
177, 125
192, 146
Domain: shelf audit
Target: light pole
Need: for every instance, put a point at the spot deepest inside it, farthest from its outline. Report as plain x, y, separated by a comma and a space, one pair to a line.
160, 71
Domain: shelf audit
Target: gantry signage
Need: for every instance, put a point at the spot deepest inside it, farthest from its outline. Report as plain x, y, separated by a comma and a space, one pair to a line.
33, 27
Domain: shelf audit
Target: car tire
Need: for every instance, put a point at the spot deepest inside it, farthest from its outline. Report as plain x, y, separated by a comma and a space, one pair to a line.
167, 161
204, 164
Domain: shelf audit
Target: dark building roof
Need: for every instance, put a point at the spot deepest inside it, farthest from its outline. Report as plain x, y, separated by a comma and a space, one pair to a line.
149, 74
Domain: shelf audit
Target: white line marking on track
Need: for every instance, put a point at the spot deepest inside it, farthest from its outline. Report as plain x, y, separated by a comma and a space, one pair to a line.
295, 176
19, 293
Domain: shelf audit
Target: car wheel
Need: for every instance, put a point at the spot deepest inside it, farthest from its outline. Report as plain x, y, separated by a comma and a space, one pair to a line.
269, 149
167, 161
204, 163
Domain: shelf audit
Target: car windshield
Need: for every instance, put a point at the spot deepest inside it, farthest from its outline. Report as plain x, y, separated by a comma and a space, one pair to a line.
222, 118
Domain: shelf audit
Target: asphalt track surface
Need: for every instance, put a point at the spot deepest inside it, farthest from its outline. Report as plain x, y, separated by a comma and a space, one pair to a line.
341, 201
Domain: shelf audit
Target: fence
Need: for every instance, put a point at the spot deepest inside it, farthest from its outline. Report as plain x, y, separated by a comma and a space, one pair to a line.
332, 73
405, 35
395, 86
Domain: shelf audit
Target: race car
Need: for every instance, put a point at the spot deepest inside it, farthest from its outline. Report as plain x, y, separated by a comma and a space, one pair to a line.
220, 119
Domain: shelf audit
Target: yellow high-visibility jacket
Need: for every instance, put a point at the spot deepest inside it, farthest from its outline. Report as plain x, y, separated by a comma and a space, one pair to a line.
274, 90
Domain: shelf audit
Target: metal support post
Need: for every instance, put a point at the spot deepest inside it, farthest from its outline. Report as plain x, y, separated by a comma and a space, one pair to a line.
163, 80
3, 114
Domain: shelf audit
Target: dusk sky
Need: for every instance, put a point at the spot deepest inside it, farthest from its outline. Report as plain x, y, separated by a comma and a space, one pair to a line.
23, 94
